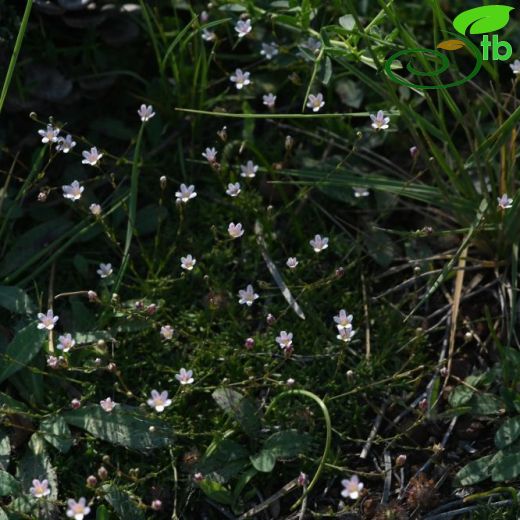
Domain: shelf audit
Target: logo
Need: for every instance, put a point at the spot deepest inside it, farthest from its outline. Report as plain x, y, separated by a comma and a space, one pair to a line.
478, 21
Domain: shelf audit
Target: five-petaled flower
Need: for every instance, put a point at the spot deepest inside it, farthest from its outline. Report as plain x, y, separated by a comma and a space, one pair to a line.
91, 156
247, 296
352, 487
243, 27
315, 102
285, 339
167, 332
210, 154
95, 209
159, 401
269, 50
185, 377
66, 342
73, 190
240, 78
505, 202
47, 321
269, 100
292, 262
107, 404
249, 169
185, 193
77, 510
188, 262
208, 36
40, 489
105, 270
343, 320
346, 333
50, 134
145, 112
233, 189
380, 121
319, 243
65, 144
515, 67
235, 230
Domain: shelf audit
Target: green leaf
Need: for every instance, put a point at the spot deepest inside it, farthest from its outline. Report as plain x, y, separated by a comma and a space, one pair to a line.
475, 471
482, 20
125, 426
216, 491
380, 246
508, 432
348, 22
9, 486
460, 395
123, 505
3, 515
5, 449
25, 345
506, 468
102, 513
280, 445
57, 433
485, 404
240, 408
224, 460
15, 300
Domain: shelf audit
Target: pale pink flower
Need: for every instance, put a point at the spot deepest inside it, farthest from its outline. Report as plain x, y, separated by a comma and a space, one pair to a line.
233, 190
50, 134
159, 401
269, 100
352, 487
185, 377
73, 191
65, 144
315, 102
145, 112
243, 27
505, 202
247, 296
66, 342
292, 262
269, 50
107, 404
95, 209
77, 510
40, 489
188, 262
167, 332
380, 121
346, 333
105, 270
241, 79
91, 157
185, 193
343, 320
235, 230
210, 154
47, 321
319, 244
285, 339
249, 170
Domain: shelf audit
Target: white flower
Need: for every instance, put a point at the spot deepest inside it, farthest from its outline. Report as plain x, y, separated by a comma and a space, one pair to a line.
345, 333
243, 27
235, 230
319, 244
95, 209
233, 190
50, 134
145, 112
312, 44
185, 193
285, 339
292, 262
204, 16
249, 169
361, 192
105, 270
91, 156
343, 320
185, 377
65, 342
47, 321
77, 510
505, 202
315, 102
210, 154
247, 296
107, 404
188, 262
40, 489
269, 50
208, 36
167, 331
380, 121
159, 401
73, 191
269, 100
515, 66
65, 144
240, 79
352, 487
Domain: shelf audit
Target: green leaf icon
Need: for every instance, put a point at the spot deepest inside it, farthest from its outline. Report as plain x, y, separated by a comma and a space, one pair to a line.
482, 20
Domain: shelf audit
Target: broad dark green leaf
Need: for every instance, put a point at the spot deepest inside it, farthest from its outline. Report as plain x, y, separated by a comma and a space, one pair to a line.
125, 426
240, 408
485, 404
9, 486
508, 433
506, 468
57, 433
224, 460
22, 349
124, 507
15, 300
475, 471
216, 491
